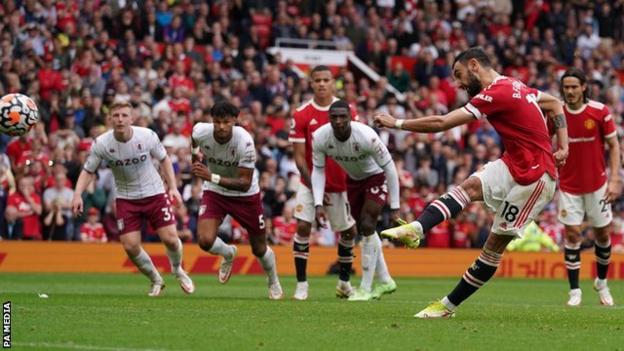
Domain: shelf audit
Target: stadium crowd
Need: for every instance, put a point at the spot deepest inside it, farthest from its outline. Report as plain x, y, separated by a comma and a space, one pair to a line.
173, 59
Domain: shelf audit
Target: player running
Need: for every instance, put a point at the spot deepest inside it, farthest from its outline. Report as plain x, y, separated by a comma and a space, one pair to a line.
129, 151
308, 118
230, 188
589, 192
359, 151
517, 186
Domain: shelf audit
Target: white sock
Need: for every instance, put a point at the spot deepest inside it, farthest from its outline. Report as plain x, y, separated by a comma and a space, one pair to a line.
417, 225
448, 304
175, 257
369, 262
268, 264
222, 249
144, 263
381, 269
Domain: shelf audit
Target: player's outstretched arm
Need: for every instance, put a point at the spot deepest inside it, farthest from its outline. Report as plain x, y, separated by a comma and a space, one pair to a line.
84, 179
554, 109
428, 124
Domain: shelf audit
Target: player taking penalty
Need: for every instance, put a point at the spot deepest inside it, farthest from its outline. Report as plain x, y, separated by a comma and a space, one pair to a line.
140, 192
359, 151
230, 188
587, 193
517, 186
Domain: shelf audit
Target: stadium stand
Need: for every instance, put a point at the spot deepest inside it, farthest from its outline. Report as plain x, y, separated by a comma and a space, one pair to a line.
173, 59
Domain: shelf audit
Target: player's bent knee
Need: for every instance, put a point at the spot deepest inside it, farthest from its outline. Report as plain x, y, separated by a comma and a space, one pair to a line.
259, 250
132, 249
472, 186
171, 242
304, 228
602, 234
205, 243
573, 234
367, 227
498, 242
348, 234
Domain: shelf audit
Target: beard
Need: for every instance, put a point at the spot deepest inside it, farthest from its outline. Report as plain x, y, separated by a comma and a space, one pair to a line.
572, 100
474, 85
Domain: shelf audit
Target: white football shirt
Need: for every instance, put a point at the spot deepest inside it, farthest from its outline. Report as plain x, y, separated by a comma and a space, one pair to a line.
361, 156
225, 159
134, 172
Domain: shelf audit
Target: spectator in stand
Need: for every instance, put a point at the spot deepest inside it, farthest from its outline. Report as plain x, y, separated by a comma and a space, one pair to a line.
7, 186
23, 211
168, 56
57, 200
285, 226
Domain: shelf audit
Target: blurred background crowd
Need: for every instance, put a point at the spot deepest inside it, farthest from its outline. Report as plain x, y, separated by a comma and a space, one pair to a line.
173, 59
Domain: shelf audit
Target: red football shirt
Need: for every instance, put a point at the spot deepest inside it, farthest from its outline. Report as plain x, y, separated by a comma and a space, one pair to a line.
17, 147
93, 232
588, 128
511, 107
284, 230
32, 226
307, 119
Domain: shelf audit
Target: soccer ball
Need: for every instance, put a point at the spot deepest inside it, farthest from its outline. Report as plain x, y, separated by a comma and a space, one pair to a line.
18, 114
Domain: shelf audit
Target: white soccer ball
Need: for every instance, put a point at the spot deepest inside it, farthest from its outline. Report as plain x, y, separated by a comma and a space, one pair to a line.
18, 114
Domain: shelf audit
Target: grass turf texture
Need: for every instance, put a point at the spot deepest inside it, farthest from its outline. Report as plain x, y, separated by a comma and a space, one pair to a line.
112, 312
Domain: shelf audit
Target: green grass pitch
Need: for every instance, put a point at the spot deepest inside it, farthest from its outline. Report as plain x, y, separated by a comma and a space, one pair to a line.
112, 312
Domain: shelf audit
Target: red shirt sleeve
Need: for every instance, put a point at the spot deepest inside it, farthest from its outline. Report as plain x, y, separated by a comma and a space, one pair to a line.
486, 103
297, 128
606, 123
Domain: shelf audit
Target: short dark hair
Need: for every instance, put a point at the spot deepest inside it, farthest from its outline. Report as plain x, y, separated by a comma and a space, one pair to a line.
578, 74
339, 104
476, 53
223, 109
319, 68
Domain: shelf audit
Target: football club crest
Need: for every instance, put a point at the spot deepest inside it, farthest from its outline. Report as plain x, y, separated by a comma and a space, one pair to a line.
589, 124
564, 213
120, 224
356, 147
